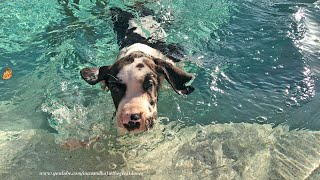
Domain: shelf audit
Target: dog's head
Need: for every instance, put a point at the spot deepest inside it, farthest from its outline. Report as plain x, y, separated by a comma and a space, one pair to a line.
134, 82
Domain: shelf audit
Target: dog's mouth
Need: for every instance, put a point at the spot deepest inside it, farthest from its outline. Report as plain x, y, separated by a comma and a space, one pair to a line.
138, 125
131, 125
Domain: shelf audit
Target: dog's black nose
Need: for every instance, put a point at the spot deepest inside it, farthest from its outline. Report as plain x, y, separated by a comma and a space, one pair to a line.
135, 117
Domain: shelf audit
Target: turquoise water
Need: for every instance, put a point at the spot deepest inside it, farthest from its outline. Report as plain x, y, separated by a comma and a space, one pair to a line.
255, 62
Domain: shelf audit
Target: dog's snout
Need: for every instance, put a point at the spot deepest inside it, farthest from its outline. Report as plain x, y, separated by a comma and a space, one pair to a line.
132, 121
135, 117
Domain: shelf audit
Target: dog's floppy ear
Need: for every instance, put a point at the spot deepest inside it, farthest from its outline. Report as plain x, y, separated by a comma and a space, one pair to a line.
175, 76
95, 75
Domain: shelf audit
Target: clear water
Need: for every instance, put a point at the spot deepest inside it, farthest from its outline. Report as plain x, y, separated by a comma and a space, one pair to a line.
256, 63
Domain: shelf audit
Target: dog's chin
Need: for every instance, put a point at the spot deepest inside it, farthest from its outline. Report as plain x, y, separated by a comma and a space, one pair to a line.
126, 131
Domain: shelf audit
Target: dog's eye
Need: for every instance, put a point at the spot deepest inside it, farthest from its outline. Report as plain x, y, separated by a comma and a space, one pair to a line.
147, 84
115, 89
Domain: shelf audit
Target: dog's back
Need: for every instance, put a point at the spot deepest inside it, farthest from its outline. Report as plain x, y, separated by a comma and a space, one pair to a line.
145, 30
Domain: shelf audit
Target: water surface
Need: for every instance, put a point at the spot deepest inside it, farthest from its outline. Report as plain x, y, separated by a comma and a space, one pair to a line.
254, 62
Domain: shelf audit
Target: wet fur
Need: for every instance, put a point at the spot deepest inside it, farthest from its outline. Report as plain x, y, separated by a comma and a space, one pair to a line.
136, 76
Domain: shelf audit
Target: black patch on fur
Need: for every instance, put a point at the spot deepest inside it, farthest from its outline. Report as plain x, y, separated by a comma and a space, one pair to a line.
151, 86
119, 94
175, 76
127, 37
132, 126
140, 65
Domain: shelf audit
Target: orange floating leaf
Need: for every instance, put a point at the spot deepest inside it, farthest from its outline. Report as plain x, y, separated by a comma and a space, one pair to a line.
7, 74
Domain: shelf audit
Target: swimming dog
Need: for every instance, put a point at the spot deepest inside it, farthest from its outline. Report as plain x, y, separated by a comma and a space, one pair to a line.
134, 79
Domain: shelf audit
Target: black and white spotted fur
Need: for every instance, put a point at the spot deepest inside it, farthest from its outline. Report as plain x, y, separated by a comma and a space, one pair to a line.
143, 62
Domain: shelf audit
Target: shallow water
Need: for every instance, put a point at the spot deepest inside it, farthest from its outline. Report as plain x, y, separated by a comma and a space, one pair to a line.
253, 61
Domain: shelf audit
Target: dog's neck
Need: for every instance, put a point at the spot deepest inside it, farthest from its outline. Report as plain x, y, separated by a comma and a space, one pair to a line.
145, 49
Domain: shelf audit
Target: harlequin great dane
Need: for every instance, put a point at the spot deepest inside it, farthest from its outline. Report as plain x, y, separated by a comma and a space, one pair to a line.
144, 61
